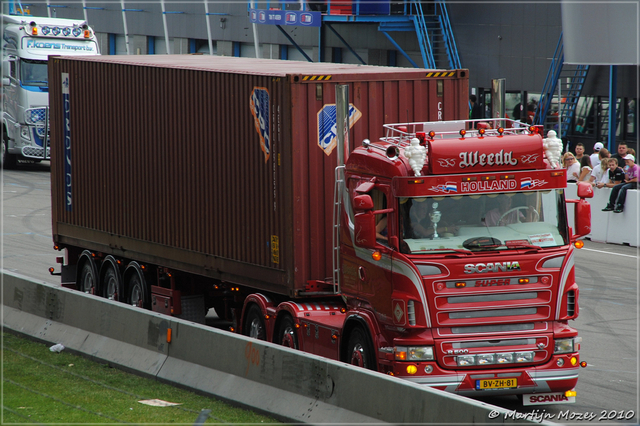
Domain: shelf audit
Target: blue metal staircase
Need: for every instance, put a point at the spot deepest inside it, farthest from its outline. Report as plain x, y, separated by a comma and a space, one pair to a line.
571, 79
433, 30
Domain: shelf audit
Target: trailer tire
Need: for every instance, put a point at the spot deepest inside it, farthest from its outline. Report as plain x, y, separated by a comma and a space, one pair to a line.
254, 324
360, 350
111, 280
137, 288
88, 278
287, 333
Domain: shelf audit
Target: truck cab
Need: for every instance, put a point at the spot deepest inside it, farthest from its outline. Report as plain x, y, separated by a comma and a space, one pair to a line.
463, 259
26, 45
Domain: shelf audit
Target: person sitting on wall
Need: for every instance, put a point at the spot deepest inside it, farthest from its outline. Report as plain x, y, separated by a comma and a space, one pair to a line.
619, 192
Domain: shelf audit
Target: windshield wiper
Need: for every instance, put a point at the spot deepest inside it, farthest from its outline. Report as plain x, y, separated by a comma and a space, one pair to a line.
517, 245
440, 250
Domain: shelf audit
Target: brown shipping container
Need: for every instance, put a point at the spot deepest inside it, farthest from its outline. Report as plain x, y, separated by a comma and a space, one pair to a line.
218, 166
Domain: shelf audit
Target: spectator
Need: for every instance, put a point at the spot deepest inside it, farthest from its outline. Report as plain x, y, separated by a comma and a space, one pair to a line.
614, 175
595, 158
580, 125
579, 151
622, 152
517, 111
585, 169
599, 173
573, 167
475, 111
619, 192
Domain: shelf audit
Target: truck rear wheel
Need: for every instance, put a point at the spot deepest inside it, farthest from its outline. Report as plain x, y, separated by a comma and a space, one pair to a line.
254, 324
287, 333
360, 350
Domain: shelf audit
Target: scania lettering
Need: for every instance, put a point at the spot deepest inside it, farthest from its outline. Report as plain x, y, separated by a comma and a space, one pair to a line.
368, 253
27, 43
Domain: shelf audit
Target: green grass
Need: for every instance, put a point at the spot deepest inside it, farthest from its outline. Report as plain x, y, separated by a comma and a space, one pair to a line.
40, 386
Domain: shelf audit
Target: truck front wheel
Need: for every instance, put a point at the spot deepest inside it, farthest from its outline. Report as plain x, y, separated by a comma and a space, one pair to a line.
254, 324
360, 350
8, 160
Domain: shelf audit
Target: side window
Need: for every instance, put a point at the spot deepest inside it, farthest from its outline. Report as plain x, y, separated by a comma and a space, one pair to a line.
13, 72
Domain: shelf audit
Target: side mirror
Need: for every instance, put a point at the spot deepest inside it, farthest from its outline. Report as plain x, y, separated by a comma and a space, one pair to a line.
585, 190
362, 203
582, 219
6, 81
365, 229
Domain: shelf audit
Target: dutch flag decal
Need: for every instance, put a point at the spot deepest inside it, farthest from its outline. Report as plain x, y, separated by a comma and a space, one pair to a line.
525, 183
451, 187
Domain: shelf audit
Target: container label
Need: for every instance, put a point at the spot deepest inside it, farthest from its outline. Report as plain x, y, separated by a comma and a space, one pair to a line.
260, 112
275, 249
66, 113
328, 127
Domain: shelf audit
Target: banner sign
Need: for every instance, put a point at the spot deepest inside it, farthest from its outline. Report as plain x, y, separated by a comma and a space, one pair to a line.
285, 17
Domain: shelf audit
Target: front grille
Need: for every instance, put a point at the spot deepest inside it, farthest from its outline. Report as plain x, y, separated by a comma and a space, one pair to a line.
503, 351
493, 313
34, 152
493, 297
497, 328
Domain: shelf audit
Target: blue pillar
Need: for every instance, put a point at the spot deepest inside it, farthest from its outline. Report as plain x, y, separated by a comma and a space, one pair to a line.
613, 93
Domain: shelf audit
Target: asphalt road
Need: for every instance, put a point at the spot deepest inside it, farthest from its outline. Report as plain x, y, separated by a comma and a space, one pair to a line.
607, 274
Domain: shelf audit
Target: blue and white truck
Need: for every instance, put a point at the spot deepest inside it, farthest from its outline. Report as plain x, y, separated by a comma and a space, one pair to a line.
27, 42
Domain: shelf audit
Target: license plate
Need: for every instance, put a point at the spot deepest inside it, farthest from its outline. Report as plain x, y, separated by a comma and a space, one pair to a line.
507, 383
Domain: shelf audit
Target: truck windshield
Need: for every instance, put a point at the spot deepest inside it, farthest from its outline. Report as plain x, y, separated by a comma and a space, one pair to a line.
33, 73
533, 220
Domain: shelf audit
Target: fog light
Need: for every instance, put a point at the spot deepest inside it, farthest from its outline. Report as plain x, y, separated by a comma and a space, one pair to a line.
505, 358
465, 360
428, 369
412, 369
560, 362
574, 360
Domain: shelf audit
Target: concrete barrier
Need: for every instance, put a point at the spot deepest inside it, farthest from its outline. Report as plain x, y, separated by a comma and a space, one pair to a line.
290, 385
609, 227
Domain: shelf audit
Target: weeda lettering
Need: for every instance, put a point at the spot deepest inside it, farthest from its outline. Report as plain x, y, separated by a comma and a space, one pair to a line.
470, 159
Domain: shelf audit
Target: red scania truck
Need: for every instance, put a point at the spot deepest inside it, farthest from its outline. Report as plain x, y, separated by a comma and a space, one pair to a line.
436, 253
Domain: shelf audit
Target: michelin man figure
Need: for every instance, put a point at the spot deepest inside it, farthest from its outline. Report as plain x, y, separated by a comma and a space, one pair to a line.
417, 155
552, 148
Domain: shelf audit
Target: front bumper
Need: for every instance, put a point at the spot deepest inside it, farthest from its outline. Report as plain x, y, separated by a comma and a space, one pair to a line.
531, 379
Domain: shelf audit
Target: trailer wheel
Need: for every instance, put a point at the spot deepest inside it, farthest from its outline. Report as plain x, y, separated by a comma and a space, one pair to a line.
111, 280
359, 351
87, 280
254, 324
137, 289
287, 333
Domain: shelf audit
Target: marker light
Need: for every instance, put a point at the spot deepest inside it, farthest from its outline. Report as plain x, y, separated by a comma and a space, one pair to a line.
34, 31
500, 130
414, 181
462, 133
556, 174
481, 131
570, 393
583, 364
523, 281
87, 34
412, 369
461, 284
432, 134
51, 270
573, 360
579, 244
376, 255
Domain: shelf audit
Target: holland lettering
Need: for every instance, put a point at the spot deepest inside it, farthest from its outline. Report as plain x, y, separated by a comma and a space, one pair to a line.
470, 159
492, 185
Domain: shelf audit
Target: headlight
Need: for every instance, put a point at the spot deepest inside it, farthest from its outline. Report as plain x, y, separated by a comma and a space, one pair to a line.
413, 353
565, 346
